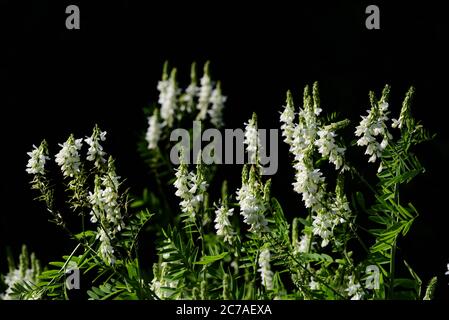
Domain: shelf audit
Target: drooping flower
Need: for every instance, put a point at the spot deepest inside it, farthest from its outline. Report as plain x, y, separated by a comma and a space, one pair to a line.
68, 157
265, 269
154, 130
216, 110
95, 152
38, 157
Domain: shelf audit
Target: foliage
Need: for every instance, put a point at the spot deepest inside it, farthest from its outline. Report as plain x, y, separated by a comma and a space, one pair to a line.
343, 244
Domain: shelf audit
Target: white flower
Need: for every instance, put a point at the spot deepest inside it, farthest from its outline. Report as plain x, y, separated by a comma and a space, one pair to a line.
304, 244
323, 225
216, 110
222, 223
168, 92
265, 269
252, 139
354, 289
95, 152
204, 94
106, 251
370, 127
190, 187
327, 147
38, 157
105, 202
313, 284
154, 131
287, 118
25, 274
12, 278
68, 157
188, 98
161, 285
252, 204
447, 272
309, 182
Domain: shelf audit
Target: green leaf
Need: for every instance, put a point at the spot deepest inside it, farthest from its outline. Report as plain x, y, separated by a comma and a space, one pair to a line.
85, 234
211, 259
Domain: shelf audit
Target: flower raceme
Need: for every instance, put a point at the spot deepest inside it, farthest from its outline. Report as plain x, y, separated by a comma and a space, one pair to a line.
95, 152
38, 158
374, 125
251, 201
103, 202
176, 104
190, 187
254, 247
154, 130
222, 223
68, 157
265, 269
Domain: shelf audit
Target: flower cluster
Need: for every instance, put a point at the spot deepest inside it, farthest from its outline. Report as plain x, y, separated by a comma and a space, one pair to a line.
287, 119
252, 140
327, 145
372, 126
95, 152
68, 157
26, 273
191, 92
105, 204
168, 92
265, 269
190, 187
161, 285
216, 111
354, 289
38, 157
205, 93
405, 115
222, 223
303, 137
174, 103
154, 130
252, 202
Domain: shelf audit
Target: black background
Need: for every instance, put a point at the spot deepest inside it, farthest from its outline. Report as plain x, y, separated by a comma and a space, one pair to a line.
57, 81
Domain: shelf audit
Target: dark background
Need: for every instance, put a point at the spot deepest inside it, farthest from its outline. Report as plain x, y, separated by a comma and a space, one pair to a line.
57, 81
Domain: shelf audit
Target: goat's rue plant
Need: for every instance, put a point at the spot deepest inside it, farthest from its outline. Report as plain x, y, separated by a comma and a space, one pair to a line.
342, 241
